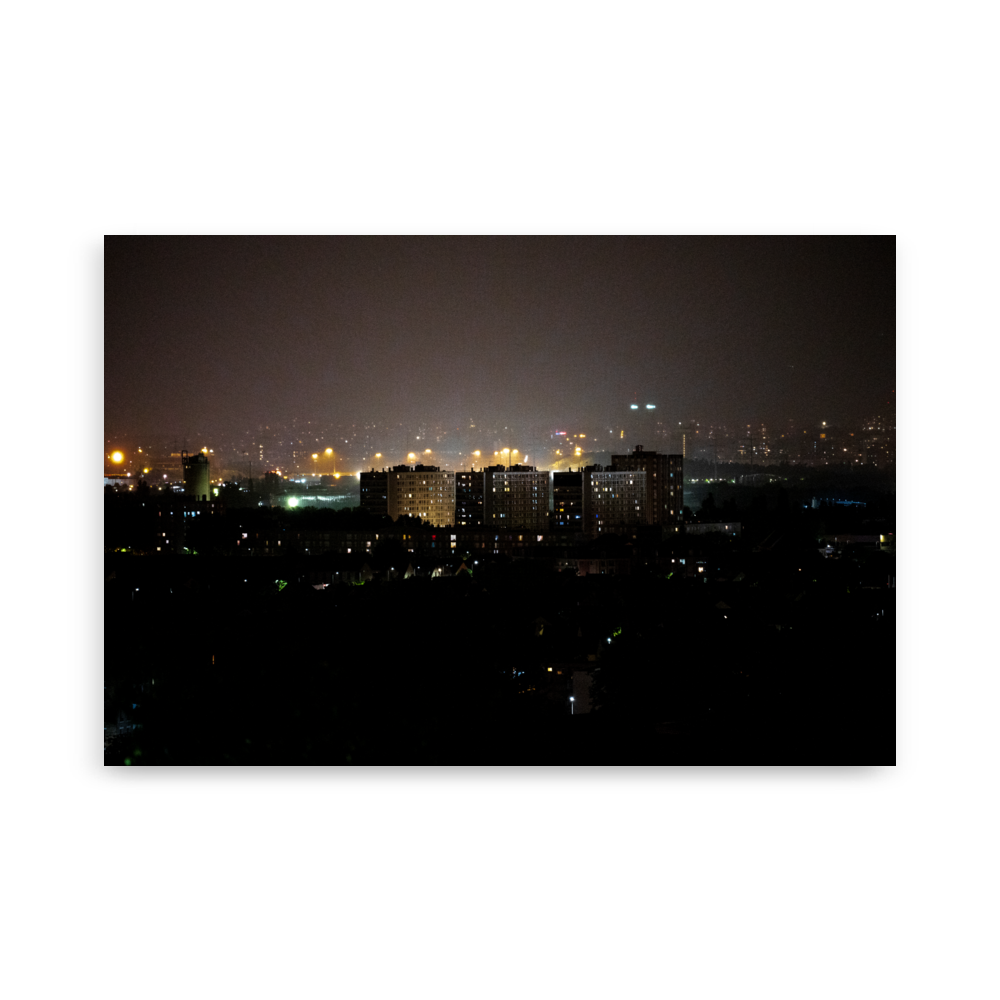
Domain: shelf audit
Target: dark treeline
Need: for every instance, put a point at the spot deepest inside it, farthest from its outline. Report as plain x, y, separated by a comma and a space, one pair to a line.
739, 489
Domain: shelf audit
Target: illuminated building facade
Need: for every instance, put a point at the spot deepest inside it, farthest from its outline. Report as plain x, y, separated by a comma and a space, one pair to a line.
613, 499
422, 491
517, 497
469, 498
567, 500
664, 483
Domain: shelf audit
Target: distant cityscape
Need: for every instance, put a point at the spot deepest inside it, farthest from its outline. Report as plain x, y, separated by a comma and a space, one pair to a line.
595, 501
497, 503
307, 451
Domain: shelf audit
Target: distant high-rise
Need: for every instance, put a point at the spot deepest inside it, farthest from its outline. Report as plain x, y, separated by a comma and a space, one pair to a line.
613, 499
595, 500
469, 498
422, 491
567, 500
517, 497
375, 492
664, 483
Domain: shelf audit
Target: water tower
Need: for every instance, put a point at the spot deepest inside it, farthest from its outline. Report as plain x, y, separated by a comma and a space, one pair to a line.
196, 481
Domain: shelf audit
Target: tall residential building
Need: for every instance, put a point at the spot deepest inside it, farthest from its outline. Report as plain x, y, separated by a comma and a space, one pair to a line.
613, 499
567, 500
517, 497
422, 491
375, 492
664, 483
469, 498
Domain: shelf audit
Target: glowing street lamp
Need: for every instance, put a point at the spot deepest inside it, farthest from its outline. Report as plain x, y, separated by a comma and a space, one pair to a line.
117, 457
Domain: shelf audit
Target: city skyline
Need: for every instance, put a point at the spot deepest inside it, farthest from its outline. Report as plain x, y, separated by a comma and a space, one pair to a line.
308, 447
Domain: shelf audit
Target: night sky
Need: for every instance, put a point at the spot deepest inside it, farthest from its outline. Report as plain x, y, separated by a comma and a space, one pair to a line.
220, 334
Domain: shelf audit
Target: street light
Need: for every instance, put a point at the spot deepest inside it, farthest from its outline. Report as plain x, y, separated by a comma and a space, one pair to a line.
571, 700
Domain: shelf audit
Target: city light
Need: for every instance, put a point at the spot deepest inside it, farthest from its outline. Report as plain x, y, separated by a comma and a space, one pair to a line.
117, 457
329, 451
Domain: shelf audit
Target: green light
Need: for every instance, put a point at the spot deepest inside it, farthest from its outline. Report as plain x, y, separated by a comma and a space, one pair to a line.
293, 501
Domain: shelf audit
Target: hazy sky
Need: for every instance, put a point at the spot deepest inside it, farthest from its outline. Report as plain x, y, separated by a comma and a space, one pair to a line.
223, 333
